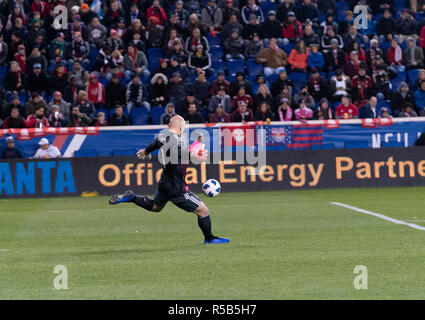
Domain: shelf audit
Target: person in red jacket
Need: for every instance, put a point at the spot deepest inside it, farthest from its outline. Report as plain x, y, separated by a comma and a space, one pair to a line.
38, 119
96, 91
346, 110
39, 6
156, 11
292, 29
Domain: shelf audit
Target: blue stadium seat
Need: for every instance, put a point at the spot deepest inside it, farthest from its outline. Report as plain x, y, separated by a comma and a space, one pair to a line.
139, 115
341, 7
235, 66
102, 80
124, 152
401, 76
156, 113
272, 78
216, 53
266, 7
218, 66
412, 75
155, 53
92, 57
324, 146
298, 79
355, 145
288, 48
153, 66
86, 153
254, 68
213, 41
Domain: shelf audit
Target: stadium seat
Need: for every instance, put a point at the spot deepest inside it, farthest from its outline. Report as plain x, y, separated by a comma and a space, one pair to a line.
288, 48
392, 144
254, 68
401, 76
155, 53
341, 7
156, 113
298, 79
218, 66
124, 152
355, 145
139, 115
412, 75
92, 57
86, 153
216, 53
213, 41
324, 146
267, 6
235, 66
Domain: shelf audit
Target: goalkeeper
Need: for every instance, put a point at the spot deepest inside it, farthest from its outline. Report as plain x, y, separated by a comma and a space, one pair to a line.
172, 186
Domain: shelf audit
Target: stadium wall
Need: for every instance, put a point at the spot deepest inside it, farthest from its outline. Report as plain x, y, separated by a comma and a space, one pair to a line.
284, 170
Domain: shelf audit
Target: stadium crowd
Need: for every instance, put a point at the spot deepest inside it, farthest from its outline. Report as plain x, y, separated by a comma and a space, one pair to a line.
142, 61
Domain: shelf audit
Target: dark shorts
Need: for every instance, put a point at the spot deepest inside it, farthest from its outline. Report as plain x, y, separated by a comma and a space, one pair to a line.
187, 201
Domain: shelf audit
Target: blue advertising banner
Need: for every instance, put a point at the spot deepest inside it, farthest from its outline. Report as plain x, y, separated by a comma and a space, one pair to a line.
107, 141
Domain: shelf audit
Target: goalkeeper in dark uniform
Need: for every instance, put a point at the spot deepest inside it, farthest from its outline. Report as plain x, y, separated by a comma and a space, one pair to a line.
172, 187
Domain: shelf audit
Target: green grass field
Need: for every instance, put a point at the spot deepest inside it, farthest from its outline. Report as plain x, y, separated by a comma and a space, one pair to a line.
285, 245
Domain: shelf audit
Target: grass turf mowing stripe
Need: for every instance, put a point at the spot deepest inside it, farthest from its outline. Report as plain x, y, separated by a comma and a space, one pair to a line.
378, 215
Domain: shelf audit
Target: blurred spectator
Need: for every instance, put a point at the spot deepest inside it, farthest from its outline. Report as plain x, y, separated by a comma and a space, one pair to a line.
192, 115
135, 94
79, 50
284, 111
263, 113
135, 62
219, 116
263, 95
11, 152
58, 49
81, 75
34, 103
14, 80
340, 86
413, 56
3, 50
78, 118
84, 104
315, 58
101, 120
115, 92
271, 28
304, 95
408, 111
324, 112
229, 10
118, 118
96, 33
303, 112
194, 40
233, 46
64, 107
291, 28
369, 111
96, 91
252, 9
47, 151
56, 118
37, 80
273, 58
158, 92
59, 79
240, 82
158, 12
254, 47
177, 90
401, 97
212, 16
200, 61
242, 113
222, 99
14, 120
201, 87
317, 86
346, 110
168, 114
219, 82
298, 57
38, 119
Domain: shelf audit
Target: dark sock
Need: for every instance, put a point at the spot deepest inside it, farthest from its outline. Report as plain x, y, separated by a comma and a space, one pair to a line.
144, 202
204, 224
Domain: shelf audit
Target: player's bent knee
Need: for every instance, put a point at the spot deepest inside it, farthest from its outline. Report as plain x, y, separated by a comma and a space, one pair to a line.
202, 210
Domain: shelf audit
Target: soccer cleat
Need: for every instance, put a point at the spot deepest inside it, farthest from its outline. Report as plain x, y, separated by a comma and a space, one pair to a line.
217, 240
119, 198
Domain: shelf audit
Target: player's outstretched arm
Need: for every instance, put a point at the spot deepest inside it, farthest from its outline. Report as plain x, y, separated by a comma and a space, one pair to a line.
144, 154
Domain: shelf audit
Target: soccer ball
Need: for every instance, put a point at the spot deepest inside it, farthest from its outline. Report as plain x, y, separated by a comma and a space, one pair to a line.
211, 188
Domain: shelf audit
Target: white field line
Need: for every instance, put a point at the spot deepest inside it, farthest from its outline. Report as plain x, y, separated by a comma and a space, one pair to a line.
4, 250
380, 216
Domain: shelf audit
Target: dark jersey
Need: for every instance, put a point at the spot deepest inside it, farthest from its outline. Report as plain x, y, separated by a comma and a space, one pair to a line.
174, 157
